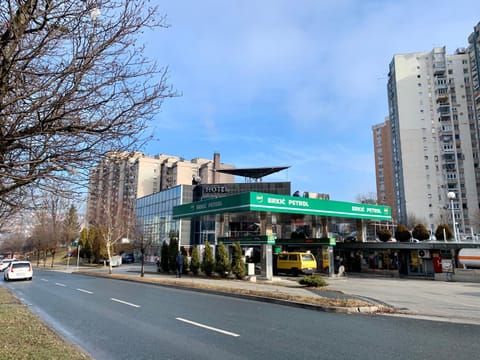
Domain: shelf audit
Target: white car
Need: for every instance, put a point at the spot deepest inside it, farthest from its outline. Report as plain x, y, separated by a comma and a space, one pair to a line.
5, 263
18, 270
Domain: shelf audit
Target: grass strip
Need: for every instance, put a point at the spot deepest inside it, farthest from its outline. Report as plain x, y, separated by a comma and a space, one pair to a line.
25, 336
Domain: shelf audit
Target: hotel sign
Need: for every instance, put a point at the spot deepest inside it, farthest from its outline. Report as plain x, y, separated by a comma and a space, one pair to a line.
215, 189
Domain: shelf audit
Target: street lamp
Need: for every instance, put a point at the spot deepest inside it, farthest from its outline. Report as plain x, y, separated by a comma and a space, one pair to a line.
451, 196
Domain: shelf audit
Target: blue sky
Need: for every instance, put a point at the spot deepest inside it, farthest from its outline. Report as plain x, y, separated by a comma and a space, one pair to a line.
297, 83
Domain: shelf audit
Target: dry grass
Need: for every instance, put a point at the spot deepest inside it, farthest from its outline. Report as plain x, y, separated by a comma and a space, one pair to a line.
326, 302
25, 336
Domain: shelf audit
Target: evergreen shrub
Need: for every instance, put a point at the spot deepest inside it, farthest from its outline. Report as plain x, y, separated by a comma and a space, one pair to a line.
313, 281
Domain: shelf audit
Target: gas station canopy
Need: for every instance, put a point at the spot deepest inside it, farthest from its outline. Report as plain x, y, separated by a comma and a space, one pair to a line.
255, 201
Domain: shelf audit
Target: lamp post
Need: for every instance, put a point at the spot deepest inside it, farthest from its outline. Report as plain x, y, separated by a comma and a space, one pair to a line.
451, 196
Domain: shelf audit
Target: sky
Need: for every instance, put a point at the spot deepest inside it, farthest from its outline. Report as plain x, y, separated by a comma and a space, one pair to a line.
291, 83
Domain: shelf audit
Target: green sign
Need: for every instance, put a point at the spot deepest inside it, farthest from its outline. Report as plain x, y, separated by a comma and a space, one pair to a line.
261, 239
306, 206
254, 201
317, 241
234, 203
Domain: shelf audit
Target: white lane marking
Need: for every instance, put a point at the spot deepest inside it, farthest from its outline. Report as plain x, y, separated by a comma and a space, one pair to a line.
44, 280
124, 302
85, 291
208, 327
60, 284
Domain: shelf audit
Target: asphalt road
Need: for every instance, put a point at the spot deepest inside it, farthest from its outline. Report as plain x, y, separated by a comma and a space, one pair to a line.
114, 319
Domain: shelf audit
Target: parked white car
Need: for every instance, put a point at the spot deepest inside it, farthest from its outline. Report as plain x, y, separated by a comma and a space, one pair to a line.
18, 270
5, 263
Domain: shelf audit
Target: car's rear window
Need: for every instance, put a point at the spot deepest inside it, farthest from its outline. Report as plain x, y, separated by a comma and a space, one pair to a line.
20, 265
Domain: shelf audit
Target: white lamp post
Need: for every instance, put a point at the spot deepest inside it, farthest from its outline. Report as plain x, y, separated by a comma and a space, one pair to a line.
451, 196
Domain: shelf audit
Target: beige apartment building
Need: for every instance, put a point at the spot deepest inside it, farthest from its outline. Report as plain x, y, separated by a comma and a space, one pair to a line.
121, 178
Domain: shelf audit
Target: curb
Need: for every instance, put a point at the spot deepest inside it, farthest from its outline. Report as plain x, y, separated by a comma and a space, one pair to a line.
228, 292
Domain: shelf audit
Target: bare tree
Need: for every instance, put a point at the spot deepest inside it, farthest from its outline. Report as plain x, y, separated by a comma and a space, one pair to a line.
113, 228
413, 220
74, 84
143, 240
55, 207
12, 244
369, 198
41, 235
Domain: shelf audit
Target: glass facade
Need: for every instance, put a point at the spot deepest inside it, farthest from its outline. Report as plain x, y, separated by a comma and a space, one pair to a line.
204, 228
154, 213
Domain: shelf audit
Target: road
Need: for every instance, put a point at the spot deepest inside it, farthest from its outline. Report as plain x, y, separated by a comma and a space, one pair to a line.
114, 319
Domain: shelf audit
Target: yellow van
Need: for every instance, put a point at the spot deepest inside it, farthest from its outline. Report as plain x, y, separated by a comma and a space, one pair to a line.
296, 263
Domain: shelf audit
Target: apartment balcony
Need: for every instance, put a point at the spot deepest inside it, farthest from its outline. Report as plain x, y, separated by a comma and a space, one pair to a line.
439, 68
442, 97
448, 158
477, 98
445, 130
441, 93
444, 110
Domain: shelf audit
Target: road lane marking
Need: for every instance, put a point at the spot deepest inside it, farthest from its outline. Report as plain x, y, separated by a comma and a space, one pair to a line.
60, 284
85, 291
44, 280
124, 302
208, 327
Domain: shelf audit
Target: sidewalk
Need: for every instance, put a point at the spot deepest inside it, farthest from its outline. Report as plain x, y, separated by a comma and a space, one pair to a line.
437, 300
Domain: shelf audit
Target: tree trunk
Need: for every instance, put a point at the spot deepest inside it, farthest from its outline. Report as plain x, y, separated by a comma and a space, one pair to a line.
53, 258
142, 269
109, 253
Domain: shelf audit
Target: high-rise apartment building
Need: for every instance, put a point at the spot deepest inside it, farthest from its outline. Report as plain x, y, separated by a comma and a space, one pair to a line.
121, 178
434, 138
474, 53
382, 145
